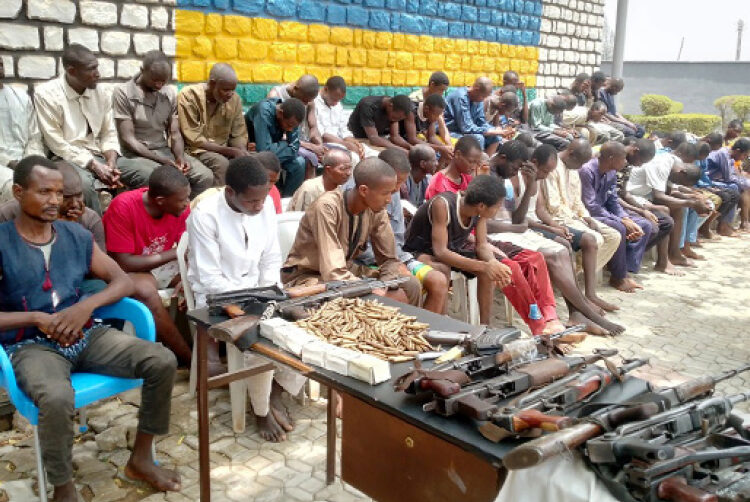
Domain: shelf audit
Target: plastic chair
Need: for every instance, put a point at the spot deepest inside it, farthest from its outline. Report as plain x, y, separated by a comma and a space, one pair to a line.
235, 359
464, 299
88, 387
288, 224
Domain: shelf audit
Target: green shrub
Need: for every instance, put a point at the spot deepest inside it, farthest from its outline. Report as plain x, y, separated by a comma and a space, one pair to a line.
741, 107
675, 107
724, 105
655, 105
696, 123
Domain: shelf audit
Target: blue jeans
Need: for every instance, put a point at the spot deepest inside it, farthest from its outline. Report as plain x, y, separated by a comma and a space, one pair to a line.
691, 222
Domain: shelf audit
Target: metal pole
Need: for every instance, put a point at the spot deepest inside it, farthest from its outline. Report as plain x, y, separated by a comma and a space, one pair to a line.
619, 50
740, 27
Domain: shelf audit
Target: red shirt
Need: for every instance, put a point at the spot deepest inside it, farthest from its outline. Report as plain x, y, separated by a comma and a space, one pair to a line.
276, 198
441, 183
130, 229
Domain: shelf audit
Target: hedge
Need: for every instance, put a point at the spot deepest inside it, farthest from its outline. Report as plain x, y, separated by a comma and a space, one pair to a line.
733, 105
655, 105
696, 123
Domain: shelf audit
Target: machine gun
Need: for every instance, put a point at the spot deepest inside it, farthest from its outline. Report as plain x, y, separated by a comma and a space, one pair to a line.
479, 400
653, 438
538, 450
494, 352
548, 408
250, 306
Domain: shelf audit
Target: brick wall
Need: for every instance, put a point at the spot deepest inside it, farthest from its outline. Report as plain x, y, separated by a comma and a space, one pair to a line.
570, 41
33, 34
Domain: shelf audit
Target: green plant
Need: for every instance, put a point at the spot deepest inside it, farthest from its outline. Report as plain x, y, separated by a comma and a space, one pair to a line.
675, 107
724, 105
741, 107
655, 105
696, 123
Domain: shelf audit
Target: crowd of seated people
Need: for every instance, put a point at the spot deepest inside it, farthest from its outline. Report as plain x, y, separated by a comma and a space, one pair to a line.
97, 189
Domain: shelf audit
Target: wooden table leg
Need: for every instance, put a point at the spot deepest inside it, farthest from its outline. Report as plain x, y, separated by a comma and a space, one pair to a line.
204, 466
331, 437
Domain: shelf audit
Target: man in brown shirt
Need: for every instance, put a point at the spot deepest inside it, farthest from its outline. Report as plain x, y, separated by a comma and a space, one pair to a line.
145, 111
336, 228
211, 121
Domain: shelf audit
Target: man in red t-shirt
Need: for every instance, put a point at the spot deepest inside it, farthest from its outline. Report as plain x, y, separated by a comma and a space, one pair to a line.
142, 227
456, 177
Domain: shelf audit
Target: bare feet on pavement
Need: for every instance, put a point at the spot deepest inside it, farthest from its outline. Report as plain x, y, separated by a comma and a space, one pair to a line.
279, 410
591, 327
269, 429
670, 269
65, 493
601, 303
627, 284
161, 479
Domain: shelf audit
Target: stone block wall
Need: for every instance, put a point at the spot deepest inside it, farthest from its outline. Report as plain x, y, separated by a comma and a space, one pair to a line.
378, 46
570, 42
33, 34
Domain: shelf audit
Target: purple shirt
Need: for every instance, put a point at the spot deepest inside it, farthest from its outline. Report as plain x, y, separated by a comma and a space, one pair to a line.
599, 191
720, 166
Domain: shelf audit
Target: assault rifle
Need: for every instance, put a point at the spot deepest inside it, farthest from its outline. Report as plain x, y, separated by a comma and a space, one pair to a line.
538, 450
250, 306
494, 352
548, 408
479, 400
653, 438
710, 469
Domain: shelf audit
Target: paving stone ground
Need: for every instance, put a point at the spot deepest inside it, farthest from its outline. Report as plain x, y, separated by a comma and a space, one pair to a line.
689, 326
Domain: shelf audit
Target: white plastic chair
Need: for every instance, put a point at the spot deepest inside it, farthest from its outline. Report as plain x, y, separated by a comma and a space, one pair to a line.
285, 203
287, 230
464, 299
235, 359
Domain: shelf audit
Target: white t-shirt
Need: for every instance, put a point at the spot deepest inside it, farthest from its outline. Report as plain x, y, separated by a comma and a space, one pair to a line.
651, 176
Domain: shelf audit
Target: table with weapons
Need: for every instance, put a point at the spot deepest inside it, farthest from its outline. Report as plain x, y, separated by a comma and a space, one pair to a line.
435, 409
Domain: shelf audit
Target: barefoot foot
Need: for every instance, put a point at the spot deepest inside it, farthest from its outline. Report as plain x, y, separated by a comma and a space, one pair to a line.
689, 253
160, 479
269, 429
279, 410
626, 285
591, 327
601, 303
670, 269
65, 493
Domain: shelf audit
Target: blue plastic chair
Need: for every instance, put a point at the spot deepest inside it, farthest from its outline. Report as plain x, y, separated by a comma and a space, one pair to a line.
88, 387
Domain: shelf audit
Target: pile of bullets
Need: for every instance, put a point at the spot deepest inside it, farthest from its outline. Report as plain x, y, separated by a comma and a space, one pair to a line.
370, 327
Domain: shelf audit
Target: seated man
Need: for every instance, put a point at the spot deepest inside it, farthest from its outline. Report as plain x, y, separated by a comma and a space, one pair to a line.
729, 195
332, 120
599, 189
143, 226
19, 133
433, 280
276, 126
606, 95
224, 258
542, 120
464, 115
456, 177
721, 170
310, 142
523, 172
337, 169
437, 85
499, 107
521, 115
334, 231
211, 121
559, 205
75, 117
581, 89
423, 163
375, 121
145, 111
440, 236
422, 125
596, 121
598, 79
49, 336
574, 117
650, 183
71, 206
734, 131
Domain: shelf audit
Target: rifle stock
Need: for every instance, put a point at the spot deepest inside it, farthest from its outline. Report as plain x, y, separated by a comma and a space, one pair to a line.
237, 331
538, 450
676, 489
